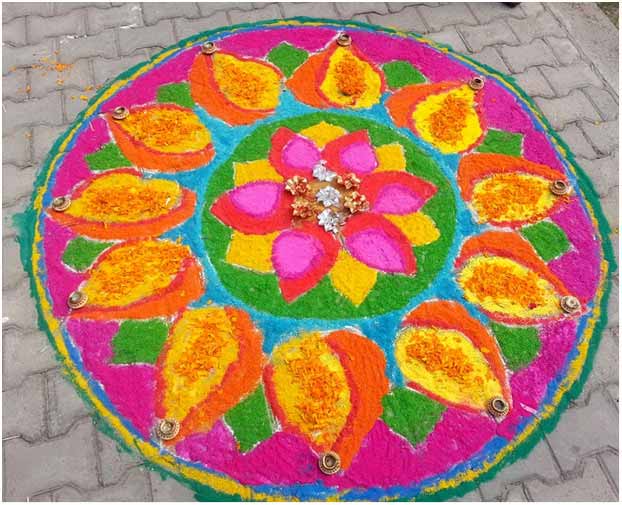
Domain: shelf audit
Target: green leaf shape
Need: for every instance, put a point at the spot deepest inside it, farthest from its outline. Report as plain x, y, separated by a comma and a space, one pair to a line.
501, 142
548, 239
287, 58
80, 253
107, 158
251, 420
139, 341
401, 73
178, 93
411, 414
519, 346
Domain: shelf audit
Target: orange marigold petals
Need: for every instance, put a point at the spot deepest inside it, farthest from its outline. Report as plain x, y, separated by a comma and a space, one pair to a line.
120, 204
211, 360
163, 137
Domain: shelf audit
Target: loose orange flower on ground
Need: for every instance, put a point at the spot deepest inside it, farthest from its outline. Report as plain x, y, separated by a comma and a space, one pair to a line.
211, 360
328, 389
122, 205
162, 137
237, 90
141, 279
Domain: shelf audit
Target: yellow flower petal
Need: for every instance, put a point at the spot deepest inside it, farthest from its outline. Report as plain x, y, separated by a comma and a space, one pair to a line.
390, 157
251, 171
251, 251
322, 133
419, 228
351, 278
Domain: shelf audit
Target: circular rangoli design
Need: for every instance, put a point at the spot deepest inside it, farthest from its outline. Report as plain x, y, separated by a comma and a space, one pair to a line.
319, 260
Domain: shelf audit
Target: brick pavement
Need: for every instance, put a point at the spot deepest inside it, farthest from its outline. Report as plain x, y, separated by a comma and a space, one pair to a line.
51, 449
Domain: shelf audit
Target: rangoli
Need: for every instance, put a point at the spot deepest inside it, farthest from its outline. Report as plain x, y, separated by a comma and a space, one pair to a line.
319, 260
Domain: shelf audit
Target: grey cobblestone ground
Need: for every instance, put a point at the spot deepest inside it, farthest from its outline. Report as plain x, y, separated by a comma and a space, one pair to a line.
51, 449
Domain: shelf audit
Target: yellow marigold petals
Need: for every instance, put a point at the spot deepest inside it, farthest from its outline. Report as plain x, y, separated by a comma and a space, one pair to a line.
419, 228
351, 278
390, 158
251, 251
322, 133
251, 171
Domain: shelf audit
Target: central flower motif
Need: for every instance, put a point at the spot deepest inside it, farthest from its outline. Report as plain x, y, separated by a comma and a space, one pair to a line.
327, 202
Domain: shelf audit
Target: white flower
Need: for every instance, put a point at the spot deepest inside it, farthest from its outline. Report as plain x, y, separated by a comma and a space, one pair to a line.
328, 196
330, 220
321, 173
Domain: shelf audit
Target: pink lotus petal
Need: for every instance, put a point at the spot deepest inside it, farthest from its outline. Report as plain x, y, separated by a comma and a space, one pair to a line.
257, 199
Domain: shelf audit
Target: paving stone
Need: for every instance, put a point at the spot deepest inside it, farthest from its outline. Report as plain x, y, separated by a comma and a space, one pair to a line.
536, 26
450, 37
347, 10
473, 496
603, 172
105, 69
12, 271
31, 469
539, 462
125, 16
8, 230
73, 105
603, 135
208, 8
564, 79
157, 11
564, 49
113, 461
160, 35
606, 362
515, 494
531, 8
78, 77
591, 486
582, 429
24, 412
23, 354
65, 407
134, 487
46, 110
533, 83
65, 7
101, 44
14, 85
612, 463
45, 497
610, 205
606, 104
72, 23
447, 14
522, 57
169, 489
11, 10
407, 20
487, 11
18, 306
613, 316
24, 57
186, 28
16, 147
572, 107
310, 9
496, 32
43, 138
580, 147
14, 32
270, 11
19, 183
490, 56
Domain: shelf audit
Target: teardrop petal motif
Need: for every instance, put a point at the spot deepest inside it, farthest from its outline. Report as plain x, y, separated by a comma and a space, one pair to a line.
507, 190
502, 274
448, 114
162, 137
237, 90
211, 360
451, 357
328, 389
141, 279
120, 204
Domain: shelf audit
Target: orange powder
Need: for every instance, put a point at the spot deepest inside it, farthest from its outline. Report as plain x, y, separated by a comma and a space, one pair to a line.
447, 123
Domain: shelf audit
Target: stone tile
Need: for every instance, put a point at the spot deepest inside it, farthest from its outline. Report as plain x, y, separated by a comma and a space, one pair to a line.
564, 49
16, 147
450, 37
591, 486
448, 14
101, 44
73, 105
24, 410
78, 77
32, 469
46, 110
24, 57
613, 315
18, 306
8, 230
14, 85
612, 462
539, 463
487, 11
603, 135
208, 8
606, 362
157, 11
531, 8
134, 487
114, 462
533, 83
186, 28
536, 26
270, 11
43, 138
292, 9
65, 7
575, 436
18, 184
490, 56
573, 107
574, 137
14, 32
606, 104
24, 354
65, 407
105, 69
407, 20
158, 35
603, 172
165, 490
12, 270
522, 57
564, 79
125, 16
11, 10
72, 23
479, 37
611, 208
347, 10
473, 496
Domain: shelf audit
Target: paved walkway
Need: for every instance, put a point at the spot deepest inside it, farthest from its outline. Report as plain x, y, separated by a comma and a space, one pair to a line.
563, 55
